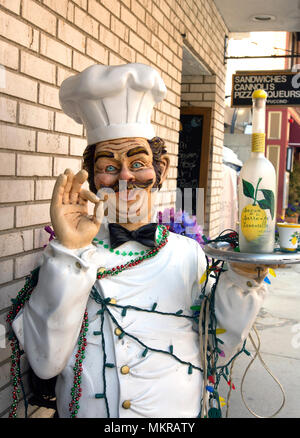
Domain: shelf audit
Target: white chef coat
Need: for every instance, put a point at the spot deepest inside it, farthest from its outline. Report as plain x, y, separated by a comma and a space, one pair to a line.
156, 384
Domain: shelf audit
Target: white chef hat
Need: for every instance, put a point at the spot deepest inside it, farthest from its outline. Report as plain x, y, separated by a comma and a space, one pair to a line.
113, 101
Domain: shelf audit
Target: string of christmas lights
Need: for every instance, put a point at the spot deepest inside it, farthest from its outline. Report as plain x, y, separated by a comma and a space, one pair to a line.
207, 322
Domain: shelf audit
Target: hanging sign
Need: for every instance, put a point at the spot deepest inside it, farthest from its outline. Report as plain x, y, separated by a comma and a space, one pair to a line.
283, 87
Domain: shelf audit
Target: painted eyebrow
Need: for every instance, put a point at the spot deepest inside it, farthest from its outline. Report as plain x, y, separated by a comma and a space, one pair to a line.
106, 154
137, 150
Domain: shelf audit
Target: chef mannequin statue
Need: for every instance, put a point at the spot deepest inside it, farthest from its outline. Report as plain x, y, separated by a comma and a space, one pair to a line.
114, 286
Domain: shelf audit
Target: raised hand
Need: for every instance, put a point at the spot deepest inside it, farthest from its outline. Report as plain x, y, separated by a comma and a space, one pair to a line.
249, 270
72, 225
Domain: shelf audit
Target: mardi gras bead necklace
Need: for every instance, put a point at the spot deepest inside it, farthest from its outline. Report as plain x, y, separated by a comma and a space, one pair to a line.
159, 239
134, 262
19, 302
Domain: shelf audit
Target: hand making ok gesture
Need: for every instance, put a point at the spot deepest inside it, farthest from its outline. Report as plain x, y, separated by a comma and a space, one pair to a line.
73, 227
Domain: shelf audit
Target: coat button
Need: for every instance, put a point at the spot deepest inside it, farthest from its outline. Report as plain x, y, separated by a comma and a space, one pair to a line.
118, 331
125, 369
78, 265
249, 284
126, 404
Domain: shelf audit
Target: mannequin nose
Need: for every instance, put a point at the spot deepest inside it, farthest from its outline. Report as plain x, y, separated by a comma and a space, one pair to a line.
126, 174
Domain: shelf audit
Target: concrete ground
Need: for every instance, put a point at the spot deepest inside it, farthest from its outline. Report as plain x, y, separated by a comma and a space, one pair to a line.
278, 326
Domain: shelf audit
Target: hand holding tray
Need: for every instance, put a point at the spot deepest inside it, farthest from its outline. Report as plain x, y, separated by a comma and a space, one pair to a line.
224, 251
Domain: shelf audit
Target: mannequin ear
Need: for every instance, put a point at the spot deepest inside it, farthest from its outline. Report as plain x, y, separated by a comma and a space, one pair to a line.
164, 164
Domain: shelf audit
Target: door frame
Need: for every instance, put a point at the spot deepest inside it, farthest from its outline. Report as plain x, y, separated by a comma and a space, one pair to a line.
205, 142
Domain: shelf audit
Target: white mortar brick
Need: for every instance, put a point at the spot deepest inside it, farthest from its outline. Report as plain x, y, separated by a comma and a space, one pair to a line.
99, 12
16, 190
18, 32
86, 23
192, 96
157, 13
59, 6
6, 271
25, 264
164, 36
14, 243
127, 52
150, 53
39, 16
20, 86
97, 51
156, 43
33, 214
81, 62
41, 238
139, 11
54, 50
61, 164
128, 18
167, 79
64, 123
162, 62
63, 74
12, 5
35, 116
119, 28
167, 53
113, 7
143, 32
6, 218
49, 96
52, 143
140, 58
7, 293
7, 163
9, 55
192, 79
126, 3
136, 42
12, 137
210, 79
202, 87
70, 12
109, 39
77, 146
38, 68
81, 3
44, 189
34, 165
69, 35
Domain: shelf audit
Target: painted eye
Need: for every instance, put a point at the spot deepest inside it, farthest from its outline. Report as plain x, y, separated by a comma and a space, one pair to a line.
110, 168
137, 165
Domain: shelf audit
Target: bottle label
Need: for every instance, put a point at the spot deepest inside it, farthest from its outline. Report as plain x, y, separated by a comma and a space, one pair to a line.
254, 219
253, 222
258, 142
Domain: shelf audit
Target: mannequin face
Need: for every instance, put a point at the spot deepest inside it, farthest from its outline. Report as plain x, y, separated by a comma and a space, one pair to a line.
125, 166
129, 160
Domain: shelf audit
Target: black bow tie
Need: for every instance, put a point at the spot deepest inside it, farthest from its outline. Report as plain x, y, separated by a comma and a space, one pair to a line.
144, 235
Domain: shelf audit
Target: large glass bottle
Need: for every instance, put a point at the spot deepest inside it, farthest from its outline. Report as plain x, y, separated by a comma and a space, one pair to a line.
257, 188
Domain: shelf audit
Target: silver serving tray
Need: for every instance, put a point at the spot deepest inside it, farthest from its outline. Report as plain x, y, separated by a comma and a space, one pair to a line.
223, 251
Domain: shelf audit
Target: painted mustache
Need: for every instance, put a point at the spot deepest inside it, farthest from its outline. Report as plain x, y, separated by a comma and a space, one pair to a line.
117, 187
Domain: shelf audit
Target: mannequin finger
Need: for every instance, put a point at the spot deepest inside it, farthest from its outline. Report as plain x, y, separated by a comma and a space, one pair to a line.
66, 195
87, 195
78, 180
58, 191
98, 213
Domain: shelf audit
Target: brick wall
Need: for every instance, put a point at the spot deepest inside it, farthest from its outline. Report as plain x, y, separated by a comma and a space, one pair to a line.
42, 42
208, 91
